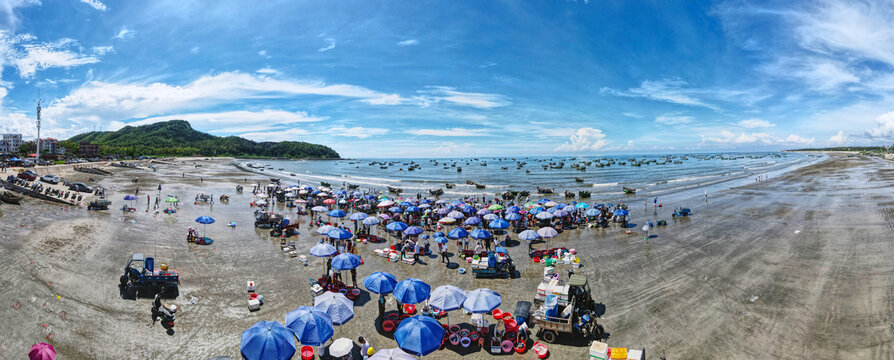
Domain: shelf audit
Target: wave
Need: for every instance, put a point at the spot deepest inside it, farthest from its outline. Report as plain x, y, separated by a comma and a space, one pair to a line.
606, 184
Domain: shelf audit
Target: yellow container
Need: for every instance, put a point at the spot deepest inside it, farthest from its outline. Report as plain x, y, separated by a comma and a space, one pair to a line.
619, 353
163, 267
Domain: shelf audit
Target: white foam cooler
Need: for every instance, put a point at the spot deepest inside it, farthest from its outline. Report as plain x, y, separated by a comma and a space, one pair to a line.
250, 285
254, 305
598, 350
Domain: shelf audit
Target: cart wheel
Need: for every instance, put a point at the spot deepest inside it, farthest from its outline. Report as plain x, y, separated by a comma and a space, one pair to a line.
123, 279
599, 332
548, 336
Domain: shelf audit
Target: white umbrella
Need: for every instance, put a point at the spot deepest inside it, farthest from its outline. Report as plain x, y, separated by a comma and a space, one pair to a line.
262, 195
341, 347
391, 354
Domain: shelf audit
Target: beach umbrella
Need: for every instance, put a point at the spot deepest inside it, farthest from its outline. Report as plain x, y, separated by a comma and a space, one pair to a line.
447, 220
346, 261
323, 250
441, 240
495, 207
412, 208
457, 233
424, 206
404, 203
544, 215
438, 233
394, 209
385, 216
419, 335
319, 209
480, 301
130, 197
498, 224
311, 326
267, 340
380, 282
325, 229
357, 216
261, 196
547, 232
339, 307
543, 201
300, 201
491, 217
480, 234
204, 220
582, 205
328, 201
42, 351
474, 220
386, 203
371, 221
413, 231
593, 212
337, 213
261, 202
513, 209
396, 226
455, 215
550, 203
500, 250
341, 347
560, 213
391, 354
528, 235
411, 291
482, 212
447, 298
339, 234
442, 211
620, 212
466, 208
513, 216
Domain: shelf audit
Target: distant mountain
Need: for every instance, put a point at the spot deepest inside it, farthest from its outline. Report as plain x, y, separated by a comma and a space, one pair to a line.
178, 138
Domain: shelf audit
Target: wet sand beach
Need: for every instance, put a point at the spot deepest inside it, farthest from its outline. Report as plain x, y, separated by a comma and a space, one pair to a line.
797, 266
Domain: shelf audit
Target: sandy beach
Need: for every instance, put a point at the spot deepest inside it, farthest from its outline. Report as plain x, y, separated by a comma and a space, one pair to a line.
794, 267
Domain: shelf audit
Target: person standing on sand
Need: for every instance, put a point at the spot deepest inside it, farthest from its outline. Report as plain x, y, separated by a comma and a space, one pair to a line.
354, 277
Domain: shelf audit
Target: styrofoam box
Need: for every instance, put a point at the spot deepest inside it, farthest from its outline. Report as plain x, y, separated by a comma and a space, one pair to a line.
254, 305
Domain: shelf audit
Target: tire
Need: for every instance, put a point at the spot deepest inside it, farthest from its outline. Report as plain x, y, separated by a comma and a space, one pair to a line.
123, 280
548, 336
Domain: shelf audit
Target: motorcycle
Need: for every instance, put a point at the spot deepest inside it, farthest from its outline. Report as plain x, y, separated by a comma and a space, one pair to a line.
163, 312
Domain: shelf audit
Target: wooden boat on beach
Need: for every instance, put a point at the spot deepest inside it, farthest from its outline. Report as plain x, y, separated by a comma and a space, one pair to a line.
541, 190
449, 185
569, 194
322, 183
583, 194
480, 186
436, 192
629, 191
579, 179
470, 182
353, 186
10, 198
395, 190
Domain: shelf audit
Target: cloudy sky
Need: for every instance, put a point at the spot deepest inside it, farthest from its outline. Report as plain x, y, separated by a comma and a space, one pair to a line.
420, 78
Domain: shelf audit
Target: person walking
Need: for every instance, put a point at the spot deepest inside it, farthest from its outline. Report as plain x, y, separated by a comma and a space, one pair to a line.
354, 277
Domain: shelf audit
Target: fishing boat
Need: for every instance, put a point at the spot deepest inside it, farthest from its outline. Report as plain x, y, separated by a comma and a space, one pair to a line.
480, 186
436, 192
524, 193
353, 186
541, 190
569, 194
579, 179
276, 180
629, 191
583, 194
449, 185
395, 190
459, 169
470, 182
323, 183
10, 198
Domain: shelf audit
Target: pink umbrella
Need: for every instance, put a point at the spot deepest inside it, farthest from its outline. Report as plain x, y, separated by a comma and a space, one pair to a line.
329, 201
42, 351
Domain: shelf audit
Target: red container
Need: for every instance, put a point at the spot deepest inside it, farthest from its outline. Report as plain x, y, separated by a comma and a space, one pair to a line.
388, 326
497, 313
307, 352
253, 296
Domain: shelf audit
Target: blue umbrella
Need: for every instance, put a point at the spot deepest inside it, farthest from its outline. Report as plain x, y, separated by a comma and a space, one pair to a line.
468, 208
441, 240
480, 301
357, 216
457, 233
484, 211
593, 212
371, 221
396, 226
345, 261
267, 340
474, 220
323, 250
499, 224
337, 213
560, 213
501, 250
491, 217
404, 203
513, 209
542, 201
513, 216
370, 197
339, 308
339, 234
419, 335
380, 282
582, 205
319, 209
620, 212
413, 231
439, 233
325, 229
411, 291
394, 209
456, 215
560, 206
204, 220
447, 298
130, 197
544, 215
480, 234
528, 235
412, 208
311, 326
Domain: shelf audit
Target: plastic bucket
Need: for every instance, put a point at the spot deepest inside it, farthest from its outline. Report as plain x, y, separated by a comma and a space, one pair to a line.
507, 346
392, 316
454, 329
307, 352
465, 342
454, 339
474, 335
497, 313
253, 296
506, 316
510, 335
464, 333
388, 326
520, 347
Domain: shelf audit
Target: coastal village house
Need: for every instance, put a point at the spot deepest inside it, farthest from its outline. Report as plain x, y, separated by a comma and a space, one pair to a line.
88, 150
51, 146
10, 143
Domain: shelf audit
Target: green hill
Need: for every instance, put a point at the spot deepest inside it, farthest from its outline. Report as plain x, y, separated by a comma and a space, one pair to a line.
178, 138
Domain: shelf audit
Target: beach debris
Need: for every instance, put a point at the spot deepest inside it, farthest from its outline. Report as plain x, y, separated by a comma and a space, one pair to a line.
752, 299
797, 231
16, 305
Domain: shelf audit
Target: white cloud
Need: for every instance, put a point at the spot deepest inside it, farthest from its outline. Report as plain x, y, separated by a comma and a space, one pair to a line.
96, 4
124, 34
585, 139
292, 134
121, 101
450, 94
233, 121
357, 131
331, 45
796, 140
755, 123
632, 115
755, 138
821, 74
408, 42
673, 119
34, 57
9, 14
102, 50
855, 28
885, 128
194, 50
449, 132
838, 139
666, 90
268, 71
264, 54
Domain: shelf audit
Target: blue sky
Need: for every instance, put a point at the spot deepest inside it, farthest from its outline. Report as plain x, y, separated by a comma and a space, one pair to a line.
460, 78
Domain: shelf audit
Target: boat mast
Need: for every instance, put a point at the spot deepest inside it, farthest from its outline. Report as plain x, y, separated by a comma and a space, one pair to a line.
38, 131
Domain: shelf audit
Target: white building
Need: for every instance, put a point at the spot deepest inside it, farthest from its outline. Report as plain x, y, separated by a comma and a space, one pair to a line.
51, 146
10, 143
